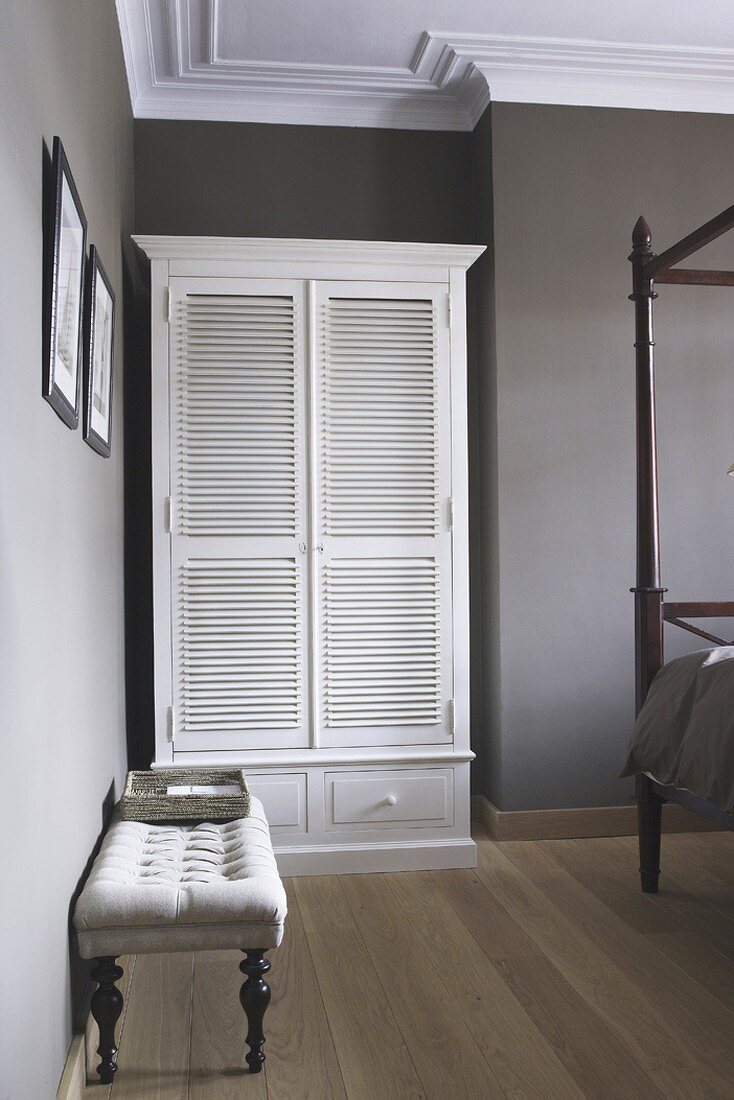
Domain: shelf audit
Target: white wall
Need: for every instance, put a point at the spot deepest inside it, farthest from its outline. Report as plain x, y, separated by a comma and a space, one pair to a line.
61, 537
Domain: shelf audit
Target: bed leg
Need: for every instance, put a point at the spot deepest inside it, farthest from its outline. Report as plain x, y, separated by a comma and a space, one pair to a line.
649, 822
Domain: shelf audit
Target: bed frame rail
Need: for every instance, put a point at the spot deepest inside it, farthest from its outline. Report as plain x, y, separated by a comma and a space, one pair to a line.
684, 248
716, 609
677, 613
690, 276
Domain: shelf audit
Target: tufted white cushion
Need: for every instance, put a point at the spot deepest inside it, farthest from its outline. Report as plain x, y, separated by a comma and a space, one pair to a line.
182, 888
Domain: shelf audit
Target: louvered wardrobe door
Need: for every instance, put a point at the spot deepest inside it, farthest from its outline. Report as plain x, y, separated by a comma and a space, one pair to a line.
238, 605
384, 626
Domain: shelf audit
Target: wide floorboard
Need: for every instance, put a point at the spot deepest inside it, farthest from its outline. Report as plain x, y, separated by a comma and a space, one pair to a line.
545, 973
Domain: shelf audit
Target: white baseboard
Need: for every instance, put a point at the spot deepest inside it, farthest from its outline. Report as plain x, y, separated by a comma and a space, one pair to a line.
360, 859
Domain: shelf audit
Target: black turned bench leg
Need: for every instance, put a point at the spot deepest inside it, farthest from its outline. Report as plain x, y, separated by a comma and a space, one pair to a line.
649, 823
255, 998
106, 1009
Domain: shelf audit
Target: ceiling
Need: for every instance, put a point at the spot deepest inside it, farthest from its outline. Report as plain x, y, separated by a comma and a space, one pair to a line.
420, 64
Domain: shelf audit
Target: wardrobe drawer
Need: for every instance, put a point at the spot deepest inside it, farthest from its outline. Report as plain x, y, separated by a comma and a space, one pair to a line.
284, 799
389, 797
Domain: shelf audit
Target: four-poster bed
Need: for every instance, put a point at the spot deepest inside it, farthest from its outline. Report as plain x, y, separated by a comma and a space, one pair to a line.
652, 611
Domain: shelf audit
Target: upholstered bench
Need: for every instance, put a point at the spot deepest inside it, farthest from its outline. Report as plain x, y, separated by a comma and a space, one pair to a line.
160, 888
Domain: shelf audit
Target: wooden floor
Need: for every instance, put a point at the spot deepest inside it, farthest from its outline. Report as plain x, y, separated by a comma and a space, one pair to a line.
545, 973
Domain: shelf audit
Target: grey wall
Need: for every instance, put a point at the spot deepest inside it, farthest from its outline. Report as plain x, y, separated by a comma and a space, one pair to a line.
248, 179
568, 185
484, 511
282, 181
61, 597
556, 190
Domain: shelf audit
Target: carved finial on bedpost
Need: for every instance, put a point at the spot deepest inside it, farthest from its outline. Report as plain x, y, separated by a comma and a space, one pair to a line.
641, 236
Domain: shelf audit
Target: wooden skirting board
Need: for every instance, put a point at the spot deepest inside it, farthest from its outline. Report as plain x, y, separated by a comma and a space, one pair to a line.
584, 822
74, 1077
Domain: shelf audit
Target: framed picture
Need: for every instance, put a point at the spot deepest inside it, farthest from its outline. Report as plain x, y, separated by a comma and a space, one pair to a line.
99, 330
64, 286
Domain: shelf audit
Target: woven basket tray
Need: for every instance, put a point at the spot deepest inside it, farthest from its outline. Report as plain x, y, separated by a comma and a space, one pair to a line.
145, 796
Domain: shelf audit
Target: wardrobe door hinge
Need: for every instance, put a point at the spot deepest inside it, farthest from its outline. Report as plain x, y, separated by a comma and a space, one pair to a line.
170, 724
448, 308
169, 515
450, 512
452, 716
167, 305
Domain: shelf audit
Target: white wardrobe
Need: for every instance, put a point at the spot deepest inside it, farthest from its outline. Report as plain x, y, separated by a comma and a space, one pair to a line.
311, 606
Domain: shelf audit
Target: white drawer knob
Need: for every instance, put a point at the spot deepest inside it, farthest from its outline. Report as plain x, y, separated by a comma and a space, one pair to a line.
391, 800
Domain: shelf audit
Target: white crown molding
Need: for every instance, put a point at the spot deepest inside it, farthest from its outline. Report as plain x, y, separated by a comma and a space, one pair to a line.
176, 70
588, 73
295, 249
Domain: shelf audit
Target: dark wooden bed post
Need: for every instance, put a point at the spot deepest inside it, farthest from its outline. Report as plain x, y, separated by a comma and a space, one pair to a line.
648, 590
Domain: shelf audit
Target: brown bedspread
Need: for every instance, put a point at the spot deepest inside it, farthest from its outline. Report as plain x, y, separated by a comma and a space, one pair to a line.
684, 734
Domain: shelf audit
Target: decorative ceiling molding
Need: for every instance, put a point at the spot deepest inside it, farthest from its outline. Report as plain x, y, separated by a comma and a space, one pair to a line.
176, 69
594, 74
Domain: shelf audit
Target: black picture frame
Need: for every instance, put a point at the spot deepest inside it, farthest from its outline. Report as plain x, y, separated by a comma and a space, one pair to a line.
98, 356
66, 226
